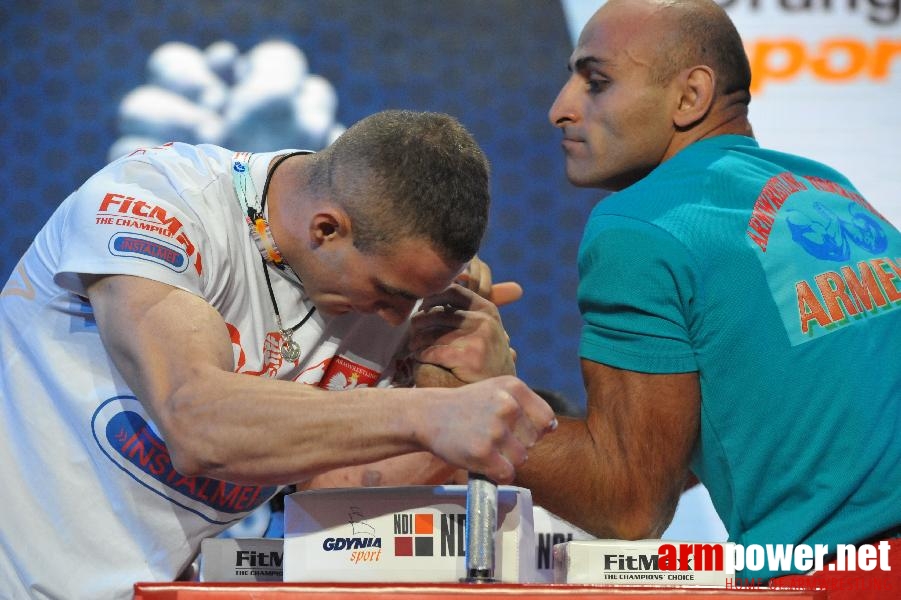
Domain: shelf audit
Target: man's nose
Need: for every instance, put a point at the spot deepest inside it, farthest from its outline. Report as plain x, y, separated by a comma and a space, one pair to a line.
396, 312
561, 112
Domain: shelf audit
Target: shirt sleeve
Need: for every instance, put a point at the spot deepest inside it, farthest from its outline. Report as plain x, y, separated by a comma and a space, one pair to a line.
635, 294
129, 219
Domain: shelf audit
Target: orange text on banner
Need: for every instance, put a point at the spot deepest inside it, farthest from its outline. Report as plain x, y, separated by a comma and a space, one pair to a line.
832, 60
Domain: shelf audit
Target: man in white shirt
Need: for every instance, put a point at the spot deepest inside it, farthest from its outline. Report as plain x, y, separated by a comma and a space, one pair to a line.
129, 429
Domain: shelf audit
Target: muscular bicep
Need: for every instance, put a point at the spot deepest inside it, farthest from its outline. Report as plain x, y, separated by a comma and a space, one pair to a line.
647, 426
158, 336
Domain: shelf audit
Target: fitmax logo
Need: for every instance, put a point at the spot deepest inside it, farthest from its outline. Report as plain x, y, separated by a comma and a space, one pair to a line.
252, 558
670, 557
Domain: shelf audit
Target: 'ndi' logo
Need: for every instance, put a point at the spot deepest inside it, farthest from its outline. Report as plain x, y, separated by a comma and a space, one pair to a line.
414, 534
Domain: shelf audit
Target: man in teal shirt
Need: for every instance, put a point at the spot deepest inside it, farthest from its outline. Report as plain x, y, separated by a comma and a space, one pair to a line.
741, 307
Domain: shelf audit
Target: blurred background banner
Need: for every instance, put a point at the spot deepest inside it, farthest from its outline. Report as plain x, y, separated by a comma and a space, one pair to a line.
82, 82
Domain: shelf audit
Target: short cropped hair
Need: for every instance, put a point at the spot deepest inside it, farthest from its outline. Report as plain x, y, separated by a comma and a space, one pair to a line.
402, 174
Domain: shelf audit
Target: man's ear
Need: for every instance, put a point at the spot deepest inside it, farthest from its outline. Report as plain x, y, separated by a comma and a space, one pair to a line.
697, 85
329, 225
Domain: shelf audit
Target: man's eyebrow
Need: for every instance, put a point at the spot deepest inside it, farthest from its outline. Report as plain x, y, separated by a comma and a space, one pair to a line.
393, 291
583, 63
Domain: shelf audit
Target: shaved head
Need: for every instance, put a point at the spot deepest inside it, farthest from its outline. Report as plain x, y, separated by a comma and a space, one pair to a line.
678, 34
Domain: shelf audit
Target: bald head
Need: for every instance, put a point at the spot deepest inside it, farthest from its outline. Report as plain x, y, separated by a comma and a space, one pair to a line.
674, 35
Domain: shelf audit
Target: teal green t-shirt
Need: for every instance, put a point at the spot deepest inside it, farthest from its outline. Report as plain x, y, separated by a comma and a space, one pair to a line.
770, 276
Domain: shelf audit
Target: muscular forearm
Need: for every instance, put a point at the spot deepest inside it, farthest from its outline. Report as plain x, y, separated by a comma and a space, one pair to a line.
619, 472
283, 432
419, 468
249, 430
581, 481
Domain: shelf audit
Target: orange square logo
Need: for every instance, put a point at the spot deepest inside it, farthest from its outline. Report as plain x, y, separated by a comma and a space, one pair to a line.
423, 524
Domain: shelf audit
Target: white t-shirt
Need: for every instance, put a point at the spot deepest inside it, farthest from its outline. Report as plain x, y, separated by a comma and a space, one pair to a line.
91, 503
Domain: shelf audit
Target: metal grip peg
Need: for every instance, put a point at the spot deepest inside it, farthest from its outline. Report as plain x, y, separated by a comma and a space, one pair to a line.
481, 526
